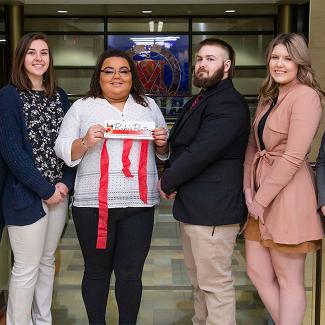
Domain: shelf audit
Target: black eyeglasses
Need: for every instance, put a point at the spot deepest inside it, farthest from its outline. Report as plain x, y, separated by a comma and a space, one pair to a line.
123, 72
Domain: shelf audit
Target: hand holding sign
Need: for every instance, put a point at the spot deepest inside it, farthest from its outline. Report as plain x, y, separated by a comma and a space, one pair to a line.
140, 130
160, 136
94, 135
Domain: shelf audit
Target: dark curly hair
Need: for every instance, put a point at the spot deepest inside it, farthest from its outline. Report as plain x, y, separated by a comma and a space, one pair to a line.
137, 90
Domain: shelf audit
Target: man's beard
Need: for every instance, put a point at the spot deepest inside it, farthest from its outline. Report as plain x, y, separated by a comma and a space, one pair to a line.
209, 82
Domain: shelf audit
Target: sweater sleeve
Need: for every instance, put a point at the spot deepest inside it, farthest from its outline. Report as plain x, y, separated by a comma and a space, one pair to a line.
250, 153
249, 157
12, 148
160, 123
304, 121
69, 173
69, 131
159, 118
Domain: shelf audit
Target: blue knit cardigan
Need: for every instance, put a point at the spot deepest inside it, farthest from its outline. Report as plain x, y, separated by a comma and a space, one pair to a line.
22, 186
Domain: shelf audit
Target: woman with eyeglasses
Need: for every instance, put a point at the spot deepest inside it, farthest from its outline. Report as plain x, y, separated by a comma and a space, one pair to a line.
116, 184
34, 182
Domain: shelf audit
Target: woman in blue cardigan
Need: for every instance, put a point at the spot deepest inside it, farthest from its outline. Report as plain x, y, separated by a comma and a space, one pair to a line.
34, 197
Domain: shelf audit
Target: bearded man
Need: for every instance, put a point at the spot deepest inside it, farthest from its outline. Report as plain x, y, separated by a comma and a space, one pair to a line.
205, 173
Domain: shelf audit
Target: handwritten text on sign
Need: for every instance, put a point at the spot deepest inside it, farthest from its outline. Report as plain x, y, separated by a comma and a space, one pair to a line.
129, 129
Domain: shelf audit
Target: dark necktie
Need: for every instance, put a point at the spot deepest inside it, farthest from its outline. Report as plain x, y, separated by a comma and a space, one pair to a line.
196, 101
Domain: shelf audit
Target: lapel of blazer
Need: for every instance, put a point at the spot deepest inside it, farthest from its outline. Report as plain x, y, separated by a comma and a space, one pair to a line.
186, 114
222, 85
180, 118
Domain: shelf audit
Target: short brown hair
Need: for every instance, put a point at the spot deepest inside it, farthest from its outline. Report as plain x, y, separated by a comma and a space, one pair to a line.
19, 77
225, 46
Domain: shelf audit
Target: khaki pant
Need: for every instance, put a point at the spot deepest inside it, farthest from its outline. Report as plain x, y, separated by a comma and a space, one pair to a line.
32, 276
208, 260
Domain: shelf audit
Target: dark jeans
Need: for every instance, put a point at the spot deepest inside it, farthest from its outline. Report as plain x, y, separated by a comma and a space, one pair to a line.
129, 237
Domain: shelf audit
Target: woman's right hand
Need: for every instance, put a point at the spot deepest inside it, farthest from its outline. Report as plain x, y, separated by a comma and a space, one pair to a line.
94, 135
256, 210
81, 145
248, 196
55, 198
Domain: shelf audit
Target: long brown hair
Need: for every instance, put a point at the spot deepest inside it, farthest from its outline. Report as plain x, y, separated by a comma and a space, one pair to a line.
299, 53
19, 77
137, 90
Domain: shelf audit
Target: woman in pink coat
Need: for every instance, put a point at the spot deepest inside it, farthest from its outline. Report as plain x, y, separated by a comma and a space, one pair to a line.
283, 223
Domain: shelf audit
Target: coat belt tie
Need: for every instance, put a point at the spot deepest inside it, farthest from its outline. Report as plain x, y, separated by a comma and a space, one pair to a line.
261, 157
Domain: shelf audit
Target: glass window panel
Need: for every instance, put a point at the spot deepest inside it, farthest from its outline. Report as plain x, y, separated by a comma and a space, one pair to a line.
171, 107
74, 81
3, 67
153, 24
233, 24
161, 60
248, 86
64, 24
248, 81
250, 49
2, 20
76, 50
252, 104
250, 73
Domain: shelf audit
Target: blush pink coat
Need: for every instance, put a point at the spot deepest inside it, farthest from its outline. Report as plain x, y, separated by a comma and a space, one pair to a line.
281, 173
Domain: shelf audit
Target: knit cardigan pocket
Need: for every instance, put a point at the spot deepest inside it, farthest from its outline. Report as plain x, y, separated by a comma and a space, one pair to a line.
23, 197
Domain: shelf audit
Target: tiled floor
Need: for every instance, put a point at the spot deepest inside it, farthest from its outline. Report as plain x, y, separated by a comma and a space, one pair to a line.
167, 296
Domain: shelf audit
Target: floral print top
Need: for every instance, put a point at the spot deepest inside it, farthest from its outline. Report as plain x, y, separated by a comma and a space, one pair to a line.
43, 116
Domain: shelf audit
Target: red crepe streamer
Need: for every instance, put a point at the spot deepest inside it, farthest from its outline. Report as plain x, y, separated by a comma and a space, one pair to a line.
142, 172
103, 199
127, 144
102, 231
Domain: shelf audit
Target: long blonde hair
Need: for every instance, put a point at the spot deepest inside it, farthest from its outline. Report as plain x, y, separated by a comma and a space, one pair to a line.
299, 53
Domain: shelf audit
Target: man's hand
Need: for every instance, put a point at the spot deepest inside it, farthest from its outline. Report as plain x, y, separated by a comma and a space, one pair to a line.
163, 194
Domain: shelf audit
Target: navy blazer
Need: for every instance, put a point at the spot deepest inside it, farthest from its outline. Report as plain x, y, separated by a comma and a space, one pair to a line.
22, 186
208, 144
